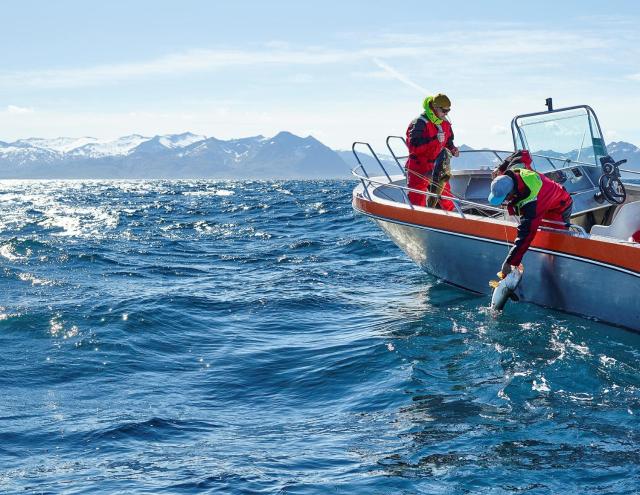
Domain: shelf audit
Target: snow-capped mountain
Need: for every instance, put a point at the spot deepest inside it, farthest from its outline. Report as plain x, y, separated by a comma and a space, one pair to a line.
61, 145
617, 150
89, 147
180, 140
100, 149
19, 153
190, 155
171, 156
620, 150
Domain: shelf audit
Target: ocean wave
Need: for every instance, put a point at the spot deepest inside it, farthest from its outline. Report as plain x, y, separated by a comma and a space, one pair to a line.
217, 192
80, 221
155, 428
158, 336
24, 249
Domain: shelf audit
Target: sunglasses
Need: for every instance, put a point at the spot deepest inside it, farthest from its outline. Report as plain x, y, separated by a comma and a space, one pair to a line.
444, 110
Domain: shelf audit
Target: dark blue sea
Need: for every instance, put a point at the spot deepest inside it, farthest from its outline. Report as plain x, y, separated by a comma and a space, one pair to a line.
258, 337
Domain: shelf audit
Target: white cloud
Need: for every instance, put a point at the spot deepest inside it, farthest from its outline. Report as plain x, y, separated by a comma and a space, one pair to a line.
489, 74
473, 42
611, 135
16, 110
278, 45
372, 74
301, 78
399, 76
498, 130
174, 65
462, 48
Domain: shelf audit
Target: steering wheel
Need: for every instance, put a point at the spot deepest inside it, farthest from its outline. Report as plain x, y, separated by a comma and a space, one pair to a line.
612, 189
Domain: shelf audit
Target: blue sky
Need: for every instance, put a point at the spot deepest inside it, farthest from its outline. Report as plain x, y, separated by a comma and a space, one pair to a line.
341, 71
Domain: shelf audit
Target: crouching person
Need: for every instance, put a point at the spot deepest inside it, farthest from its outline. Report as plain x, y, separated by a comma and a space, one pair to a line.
534, 198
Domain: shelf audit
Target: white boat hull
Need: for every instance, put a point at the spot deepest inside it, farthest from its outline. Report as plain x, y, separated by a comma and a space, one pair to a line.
567, 283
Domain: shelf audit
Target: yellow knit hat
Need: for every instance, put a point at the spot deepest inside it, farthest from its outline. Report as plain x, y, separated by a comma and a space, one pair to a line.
442, 101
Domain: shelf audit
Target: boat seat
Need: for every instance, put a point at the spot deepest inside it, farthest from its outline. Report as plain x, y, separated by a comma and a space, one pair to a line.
624, 224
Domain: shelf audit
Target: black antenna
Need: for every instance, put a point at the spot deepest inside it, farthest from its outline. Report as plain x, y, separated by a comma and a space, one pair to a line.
549, 103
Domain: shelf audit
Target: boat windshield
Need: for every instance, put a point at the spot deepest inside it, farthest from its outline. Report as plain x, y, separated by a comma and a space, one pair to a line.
560, 137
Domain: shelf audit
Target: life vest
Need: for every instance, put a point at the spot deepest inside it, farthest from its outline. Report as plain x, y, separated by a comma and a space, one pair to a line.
440, 134
533, 181
423, 143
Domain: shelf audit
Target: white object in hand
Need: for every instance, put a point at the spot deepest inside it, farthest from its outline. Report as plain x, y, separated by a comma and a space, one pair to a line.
504, 290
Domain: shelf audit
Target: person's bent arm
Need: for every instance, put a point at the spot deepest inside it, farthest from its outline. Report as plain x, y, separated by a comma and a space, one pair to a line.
526, 233
452, 147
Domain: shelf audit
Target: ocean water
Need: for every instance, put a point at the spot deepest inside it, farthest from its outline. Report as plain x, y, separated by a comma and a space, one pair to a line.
258, 337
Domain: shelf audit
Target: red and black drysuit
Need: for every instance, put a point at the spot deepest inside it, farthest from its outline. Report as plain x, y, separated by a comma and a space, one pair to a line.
553, 202
424, 147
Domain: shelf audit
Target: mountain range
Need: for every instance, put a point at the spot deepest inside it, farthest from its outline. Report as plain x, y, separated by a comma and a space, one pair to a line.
172, 156
188, 155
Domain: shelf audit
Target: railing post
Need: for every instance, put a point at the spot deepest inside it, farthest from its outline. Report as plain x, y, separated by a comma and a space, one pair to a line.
373, 153
393, 154
384, 170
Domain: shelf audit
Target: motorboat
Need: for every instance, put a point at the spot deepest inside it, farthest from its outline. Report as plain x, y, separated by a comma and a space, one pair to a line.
590, 269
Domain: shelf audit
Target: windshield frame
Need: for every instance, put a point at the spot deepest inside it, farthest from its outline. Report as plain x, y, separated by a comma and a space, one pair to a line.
519, 138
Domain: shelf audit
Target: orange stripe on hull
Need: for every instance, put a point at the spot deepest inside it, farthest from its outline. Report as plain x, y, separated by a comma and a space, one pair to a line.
610, 253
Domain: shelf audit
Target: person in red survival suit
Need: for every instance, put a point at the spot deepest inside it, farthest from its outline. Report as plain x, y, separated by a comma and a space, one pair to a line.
534, 198
427, 136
